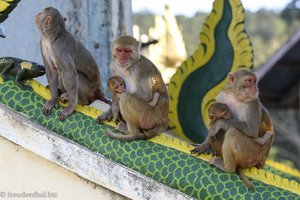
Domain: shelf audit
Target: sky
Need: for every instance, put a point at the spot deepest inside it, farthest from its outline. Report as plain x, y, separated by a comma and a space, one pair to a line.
190, 7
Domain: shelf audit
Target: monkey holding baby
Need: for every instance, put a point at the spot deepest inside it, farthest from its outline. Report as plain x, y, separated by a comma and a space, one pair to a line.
143, 120
244, 139
117, 86
70, 68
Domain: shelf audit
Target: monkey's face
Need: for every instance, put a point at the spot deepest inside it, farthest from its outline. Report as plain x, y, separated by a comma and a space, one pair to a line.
39, 20
117, 85
123, 55
247, 91
218, 111
225, 115
48, 18
125, 51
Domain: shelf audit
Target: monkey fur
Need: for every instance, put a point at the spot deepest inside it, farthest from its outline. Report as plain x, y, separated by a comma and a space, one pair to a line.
143, 121
70, 67
250, 123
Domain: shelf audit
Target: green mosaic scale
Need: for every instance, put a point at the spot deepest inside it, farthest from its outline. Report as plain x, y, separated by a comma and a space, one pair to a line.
177, 169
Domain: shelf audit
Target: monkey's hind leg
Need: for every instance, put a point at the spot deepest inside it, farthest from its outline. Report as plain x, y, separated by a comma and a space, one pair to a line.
122, 127
227, 164
218, 162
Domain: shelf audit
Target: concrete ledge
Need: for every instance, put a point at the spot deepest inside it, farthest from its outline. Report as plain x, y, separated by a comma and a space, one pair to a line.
89, 165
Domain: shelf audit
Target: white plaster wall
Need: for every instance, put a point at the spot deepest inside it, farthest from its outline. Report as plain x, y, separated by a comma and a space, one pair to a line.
94, 22
22, 171
22, 37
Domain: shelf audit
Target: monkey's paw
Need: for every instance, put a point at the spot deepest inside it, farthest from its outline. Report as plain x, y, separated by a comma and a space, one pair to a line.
67, 111
200, 148
49, 105
105, 116
122, 127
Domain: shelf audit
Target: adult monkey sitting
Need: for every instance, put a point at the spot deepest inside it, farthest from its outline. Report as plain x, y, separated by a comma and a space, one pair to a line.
249, 120
69, 65
142, 120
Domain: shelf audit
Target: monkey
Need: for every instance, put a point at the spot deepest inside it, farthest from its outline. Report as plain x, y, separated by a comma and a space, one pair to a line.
249, 115
70, 68
221, 111
250, 119
143, 121
117, 86
217, 111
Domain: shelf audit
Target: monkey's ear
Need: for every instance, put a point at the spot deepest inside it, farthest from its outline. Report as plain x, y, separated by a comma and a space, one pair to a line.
231, 78
212, 117
65, 19
48, 22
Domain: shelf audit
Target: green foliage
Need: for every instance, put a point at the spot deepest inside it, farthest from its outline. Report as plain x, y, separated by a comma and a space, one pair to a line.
188, 27
267, 35
268, 30
144, 21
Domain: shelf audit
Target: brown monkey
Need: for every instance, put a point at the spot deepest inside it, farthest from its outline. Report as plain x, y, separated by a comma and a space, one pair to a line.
248, 114
221, 111
142, 120
70, 67
117, 86
249, 120
218, 111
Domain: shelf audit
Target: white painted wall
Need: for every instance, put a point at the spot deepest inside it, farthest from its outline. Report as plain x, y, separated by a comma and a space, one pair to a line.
25, 173
95, 22
74, 158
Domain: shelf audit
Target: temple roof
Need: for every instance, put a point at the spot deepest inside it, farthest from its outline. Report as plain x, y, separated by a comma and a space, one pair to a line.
279, 77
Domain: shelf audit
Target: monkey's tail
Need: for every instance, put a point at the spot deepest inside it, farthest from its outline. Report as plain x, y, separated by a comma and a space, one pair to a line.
150, 133
129, 137
245, 179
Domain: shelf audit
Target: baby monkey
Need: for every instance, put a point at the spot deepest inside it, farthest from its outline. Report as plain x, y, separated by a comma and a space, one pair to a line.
221, 111
117, 86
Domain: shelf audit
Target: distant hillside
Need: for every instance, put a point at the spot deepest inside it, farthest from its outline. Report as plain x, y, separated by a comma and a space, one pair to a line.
267, 35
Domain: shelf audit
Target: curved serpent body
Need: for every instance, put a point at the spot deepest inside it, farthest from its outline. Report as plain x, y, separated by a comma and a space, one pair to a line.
172, 167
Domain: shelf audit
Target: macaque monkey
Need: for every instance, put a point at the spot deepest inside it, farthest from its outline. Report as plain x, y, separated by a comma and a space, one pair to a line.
117, 86
70, 68
218, 111
143, 120
248, 133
